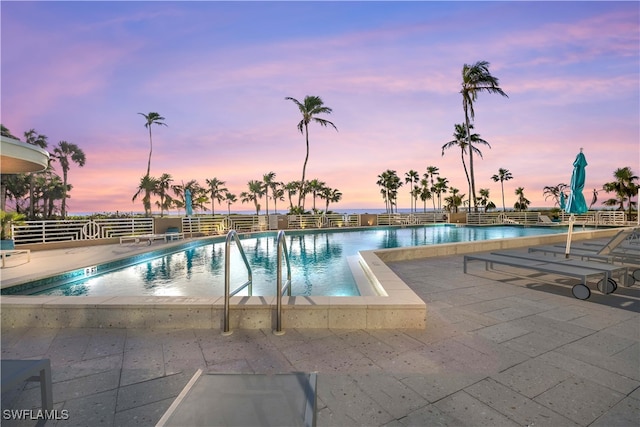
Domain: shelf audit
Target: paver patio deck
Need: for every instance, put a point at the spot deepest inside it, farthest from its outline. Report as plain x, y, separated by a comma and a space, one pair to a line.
499, 349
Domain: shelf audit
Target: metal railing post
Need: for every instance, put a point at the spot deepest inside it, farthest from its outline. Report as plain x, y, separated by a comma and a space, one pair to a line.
233, 235
281, 252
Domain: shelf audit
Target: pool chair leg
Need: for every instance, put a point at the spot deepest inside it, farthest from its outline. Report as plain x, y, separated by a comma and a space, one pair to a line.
581, 291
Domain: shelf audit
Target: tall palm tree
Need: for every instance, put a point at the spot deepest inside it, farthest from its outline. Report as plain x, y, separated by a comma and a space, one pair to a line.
268, 179
522, 203
310, 108
412, 178
461, 140
65, 153
624, 186
152, 118
34, 138
476, 78
502, 176
216, 191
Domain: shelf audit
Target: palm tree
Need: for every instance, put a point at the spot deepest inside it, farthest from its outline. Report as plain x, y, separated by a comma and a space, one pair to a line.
522, 203
311, 107
410, 178
146, 187
454, 200
163, 184
625, 187
256, 190
441, 187
484, 200
330, 195
230, 199
216, 191
425, 193
277, 192
315, 186
432, 171
502, 176
390, 182
152, 118
476, 78
268, 180
65, 153
461, 140
34, 138
554, 192
292, 189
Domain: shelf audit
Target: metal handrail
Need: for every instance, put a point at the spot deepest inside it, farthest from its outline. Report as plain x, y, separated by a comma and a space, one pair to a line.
233, 235
280, 289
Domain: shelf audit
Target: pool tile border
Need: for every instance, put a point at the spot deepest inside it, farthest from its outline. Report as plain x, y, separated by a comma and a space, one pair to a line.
400, 308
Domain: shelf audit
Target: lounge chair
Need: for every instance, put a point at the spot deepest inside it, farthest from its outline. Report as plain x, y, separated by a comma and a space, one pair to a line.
580, 291
245, 400
545, 220
15, 372
619, 248
622, 271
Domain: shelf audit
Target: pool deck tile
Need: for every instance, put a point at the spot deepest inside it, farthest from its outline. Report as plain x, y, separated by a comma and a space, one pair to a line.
498, 349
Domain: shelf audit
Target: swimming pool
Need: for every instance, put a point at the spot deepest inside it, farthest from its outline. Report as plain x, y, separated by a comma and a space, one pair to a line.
321, 262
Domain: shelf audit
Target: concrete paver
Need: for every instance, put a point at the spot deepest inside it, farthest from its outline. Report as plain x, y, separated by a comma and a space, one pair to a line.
499, 349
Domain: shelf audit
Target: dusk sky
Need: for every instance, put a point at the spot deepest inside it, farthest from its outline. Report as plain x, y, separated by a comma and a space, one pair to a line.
219, 73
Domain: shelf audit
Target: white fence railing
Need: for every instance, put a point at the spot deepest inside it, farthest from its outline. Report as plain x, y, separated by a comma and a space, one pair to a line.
32, 232
89, 229
412, 218
493, 218
532, 218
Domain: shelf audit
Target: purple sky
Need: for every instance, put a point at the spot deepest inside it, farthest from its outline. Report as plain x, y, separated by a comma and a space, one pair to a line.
219, 72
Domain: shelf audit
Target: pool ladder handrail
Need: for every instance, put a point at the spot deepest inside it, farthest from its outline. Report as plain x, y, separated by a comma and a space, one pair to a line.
233, 235
282, 252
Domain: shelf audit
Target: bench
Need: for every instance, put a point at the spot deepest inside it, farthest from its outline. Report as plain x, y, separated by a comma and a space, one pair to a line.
8, 252
15, 372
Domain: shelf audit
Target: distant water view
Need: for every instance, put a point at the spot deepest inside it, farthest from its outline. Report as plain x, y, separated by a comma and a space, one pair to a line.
280, 212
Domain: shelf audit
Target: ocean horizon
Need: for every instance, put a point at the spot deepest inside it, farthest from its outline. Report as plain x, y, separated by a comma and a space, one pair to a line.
350, 211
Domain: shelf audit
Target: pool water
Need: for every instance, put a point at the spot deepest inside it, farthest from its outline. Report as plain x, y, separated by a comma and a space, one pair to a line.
319, 262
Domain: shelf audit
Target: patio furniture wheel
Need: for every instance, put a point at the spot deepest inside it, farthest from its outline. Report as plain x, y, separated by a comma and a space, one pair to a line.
636, 274
610, 287
581, 291
630, 279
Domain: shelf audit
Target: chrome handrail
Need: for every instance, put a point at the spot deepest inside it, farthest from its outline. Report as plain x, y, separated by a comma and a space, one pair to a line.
280, 289
233, 235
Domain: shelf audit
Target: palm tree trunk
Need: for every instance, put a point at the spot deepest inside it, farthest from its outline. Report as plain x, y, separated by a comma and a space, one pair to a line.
150, 151
502, 186
304, 167
472, 179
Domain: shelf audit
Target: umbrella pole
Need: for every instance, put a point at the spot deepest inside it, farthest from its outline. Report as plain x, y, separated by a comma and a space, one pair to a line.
568, 247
